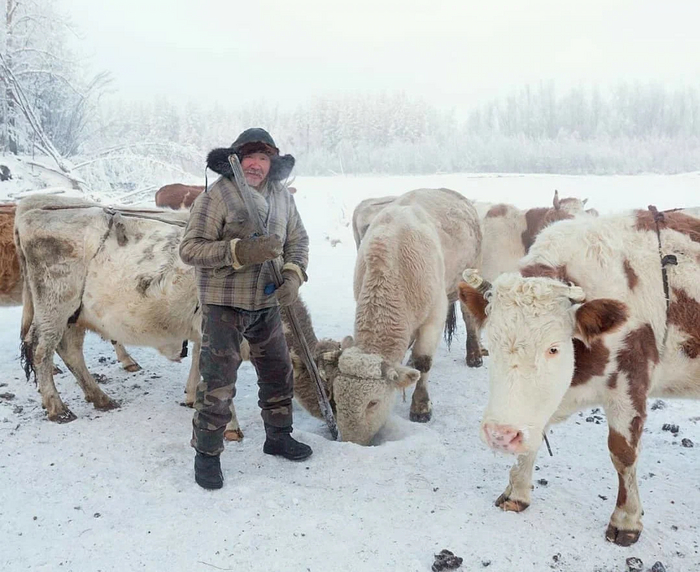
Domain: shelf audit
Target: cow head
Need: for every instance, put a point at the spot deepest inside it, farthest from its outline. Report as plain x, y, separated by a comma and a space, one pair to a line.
569, 205
531, 324
364, 386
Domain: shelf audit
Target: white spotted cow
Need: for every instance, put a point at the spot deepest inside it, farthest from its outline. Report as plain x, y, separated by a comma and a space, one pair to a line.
585, 323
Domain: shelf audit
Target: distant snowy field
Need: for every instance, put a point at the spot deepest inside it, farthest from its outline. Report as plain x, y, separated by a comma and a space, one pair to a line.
115, 491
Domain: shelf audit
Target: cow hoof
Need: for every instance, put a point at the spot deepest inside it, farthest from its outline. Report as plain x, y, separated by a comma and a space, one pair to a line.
475, 361
420, 417
622, 537
484, 352
186, 404
65, 416
106, 404
233, 435
504, 502
57, 370
133, 368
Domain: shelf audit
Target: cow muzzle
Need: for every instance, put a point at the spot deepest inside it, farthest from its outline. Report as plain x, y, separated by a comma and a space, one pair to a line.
505, 438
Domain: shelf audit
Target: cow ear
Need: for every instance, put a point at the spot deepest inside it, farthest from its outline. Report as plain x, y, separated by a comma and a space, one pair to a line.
597, 318
401, 376
474, 301
329, 358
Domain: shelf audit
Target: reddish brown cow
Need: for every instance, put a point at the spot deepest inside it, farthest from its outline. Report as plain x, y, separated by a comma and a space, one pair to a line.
177, 196
10, 276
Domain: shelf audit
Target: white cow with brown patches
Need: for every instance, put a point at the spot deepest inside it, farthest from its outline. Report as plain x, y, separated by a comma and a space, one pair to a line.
509, 232
408, 264
585, 323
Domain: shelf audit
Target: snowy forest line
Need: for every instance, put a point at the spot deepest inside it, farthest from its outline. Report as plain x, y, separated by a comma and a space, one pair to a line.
52, 103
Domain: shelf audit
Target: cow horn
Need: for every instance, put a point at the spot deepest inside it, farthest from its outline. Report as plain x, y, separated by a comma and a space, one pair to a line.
576, 294
556, 200
472, 278
583, 202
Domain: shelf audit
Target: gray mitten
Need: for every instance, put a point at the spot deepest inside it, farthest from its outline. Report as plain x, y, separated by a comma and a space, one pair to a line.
257, 249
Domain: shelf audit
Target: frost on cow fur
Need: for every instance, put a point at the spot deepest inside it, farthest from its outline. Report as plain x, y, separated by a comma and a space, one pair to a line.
355, 362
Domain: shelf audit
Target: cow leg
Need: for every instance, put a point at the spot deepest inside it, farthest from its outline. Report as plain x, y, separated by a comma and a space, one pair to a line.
194, 376
623, 442
474, 350
128, 363
70, 348
516, 497
427, 340
233, 431
40, 345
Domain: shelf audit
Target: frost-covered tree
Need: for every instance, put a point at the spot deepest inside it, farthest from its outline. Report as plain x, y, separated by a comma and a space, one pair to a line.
48, 95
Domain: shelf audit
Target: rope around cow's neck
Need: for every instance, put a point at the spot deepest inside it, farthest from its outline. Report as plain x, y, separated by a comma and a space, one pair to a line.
666, 260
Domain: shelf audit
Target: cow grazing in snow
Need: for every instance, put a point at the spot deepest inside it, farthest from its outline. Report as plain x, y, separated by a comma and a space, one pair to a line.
585, 323
408, 264
178, 196
11, 277
363, 215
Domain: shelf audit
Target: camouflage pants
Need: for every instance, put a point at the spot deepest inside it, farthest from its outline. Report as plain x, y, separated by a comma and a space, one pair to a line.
223, 328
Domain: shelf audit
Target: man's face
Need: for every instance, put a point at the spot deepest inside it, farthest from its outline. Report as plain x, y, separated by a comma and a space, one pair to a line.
255, 166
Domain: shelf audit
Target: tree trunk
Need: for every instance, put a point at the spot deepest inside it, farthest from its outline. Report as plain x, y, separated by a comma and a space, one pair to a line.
9, 135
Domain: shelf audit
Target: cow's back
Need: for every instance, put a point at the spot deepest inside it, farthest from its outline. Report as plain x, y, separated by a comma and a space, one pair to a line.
364, 213
457, 225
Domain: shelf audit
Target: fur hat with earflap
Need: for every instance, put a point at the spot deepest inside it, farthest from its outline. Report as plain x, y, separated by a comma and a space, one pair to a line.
253, 140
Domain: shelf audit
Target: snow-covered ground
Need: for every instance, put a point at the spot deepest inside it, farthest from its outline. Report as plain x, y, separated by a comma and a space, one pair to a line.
115, 491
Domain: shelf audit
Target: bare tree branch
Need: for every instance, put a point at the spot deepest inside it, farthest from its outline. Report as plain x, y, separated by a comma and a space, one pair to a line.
54, 74
54, 57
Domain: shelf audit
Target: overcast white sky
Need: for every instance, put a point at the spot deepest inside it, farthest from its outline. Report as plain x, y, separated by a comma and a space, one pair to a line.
453, 53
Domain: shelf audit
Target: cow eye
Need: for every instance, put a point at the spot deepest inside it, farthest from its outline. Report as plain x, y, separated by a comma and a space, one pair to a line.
553, 351
372, 404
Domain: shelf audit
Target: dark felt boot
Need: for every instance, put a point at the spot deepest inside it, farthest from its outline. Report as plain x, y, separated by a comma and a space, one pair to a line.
279, 442
207, 471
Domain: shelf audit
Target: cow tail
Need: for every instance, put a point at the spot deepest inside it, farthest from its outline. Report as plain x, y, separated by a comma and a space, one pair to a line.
27, 335
451, 323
